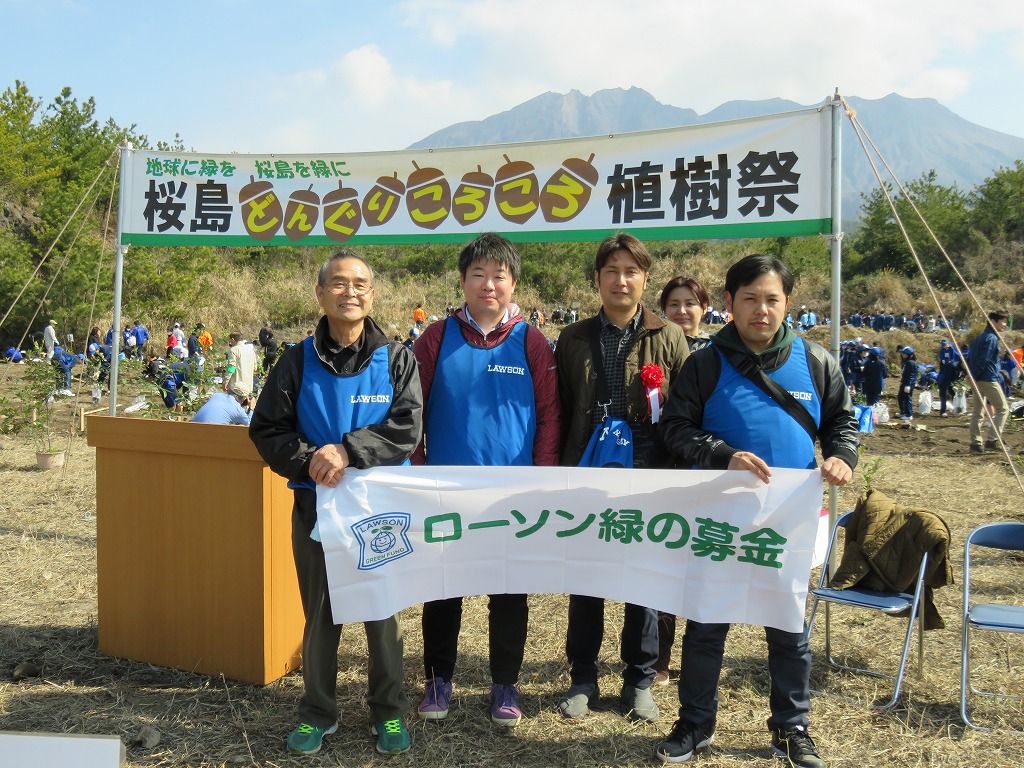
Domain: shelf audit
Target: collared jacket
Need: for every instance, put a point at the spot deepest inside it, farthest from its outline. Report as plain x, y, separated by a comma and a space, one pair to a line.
682, 427
657, 342
274, 427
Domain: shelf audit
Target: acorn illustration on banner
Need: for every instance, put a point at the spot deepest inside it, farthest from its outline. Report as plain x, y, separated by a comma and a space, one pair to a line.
342, 216
381, 202
472, 197
261, 209
428, 197
516, 190
302, 213
568, 190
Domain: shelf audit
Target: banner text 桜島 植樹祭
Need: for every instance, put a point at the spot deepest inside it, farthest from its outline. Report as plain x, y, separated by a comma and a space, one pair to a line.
756, 177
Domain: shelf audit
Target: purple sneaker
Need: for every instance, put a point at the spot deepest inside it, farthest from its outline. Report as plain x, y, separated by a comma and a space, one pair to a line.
436, 698
505, 705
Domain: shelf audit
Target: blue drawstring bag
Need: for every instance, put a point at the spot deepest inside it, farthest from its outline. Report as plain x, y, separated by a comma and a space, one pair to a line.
865, 418
611, 445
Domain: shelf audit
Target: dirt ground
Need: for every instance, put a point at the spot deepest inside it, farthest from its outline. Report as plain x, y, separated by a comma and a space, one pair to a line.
172, 718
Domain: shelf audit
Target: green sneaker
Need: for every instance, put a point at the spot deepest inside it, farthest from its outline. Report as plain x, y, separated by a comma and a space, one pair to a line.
392, 737
307, 739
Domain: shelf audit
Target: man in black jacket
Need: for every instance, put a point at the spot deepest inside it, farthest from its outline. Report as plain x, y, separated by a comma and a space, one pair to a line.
306, 428
757, 397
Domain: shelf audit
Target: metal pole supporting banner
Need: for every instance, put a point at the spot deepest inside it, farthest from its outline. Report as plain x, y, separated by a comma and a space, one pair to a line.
836, 240
115, 346
837, 260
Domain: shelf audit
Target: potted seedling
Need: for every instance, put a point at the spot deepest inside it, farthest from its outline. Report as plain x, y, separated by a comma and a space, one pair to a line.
38, 387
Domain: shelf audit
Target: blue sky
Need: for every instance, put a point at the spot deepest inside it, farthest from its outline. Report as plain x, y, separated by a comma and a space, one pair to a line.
340, 76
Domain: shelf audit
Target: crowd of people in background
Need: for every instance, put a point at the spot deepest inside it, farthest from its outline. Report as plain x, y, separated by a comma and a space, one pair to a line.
178, 366
881, 320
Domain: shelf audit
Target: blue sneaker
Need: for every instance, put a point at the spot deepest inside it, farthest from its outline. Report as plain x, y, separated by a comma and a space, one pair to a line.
307, 739
392, 737
505, 705
437, 698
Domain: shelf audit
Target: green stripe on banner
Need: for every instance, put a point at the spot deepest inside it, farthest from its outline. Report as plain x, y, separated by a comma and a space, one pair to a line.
802, 228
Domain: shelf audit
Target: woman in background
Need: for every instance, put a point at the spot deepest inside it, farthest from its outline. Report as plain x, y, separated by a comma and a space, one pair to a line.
684, 301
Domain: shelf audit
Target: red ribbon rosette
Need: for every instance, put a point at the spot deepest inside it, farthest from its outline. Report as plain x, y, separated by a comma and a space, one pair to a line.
651, 376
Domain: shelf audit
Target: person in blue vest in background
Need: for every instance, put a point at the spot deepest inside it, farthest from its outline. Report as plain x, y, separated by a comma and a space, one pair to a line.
345, 397
724, 418
490, 398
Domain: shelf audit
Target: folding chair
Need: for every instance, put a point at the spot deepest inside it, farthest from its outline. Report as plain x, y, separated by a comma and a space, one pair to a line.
995, 617
890, 603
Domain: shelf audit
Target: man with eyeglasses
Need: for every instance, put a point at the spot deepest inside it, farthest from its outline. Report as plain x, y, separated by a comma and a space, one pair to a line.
346, 396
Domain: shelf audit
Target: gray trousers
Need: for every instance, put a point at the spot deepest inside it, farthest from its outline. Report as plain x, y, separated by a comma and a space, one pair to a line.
321, 636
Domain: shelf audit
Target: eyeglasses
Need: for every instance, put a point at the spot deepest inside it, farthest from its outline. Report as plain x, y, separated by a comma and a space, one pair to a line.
356, 289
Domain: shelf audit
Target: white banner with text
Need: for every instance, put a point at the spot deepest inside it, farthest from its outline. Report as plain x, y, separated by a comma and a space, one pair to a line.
714, 546
764, 176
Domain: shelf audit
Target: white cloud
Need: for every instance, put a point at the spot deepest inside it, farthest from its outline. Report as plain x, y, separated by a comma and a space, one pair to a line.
368, 73
429, 63
699, 53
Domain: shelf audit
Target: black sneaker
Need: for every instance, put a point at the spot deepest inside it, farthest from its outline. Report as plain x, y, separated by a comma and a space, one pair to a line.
976, 448
796, 746
992, 445
685, 741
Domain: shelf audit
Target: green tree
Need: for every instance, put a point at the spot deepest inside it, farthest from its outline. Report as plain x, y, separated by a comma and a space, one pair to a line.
881, 244
49, 159
27, 170
998, 204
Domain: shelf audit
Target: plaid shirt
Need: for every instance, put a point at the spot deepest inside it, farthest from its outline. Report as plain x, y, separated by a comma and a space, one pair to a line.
615, 344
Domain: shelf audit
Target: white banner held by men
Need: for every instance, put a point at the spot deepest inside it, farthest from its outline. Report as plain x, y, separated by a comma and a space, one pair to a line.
713, 546
756, 177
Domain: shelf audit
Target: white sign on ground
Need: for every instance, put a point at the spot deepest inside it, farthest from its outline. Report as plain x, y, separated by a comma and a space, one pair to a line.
56, 750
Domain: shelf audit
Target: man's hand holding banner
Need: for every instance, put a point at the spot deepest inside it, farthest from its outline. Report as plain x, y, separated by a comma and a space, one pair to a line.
713, 546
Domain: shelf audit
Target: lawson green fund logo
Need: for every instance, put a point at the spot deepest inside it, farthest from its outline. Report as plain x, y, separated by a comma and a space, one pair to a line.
383, 539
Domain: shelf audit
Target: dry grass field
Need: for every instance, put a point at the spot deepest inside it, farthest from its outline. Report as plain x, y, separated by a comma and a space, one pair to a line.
171, 718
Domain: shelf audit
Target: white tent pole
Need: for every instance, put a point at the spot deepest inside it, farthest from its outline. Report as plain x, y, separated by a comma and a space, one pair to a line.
126, 150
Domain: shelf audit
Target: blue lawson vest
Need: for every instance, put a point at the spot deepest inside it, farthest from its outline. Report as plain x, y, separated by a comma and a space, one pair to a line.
330, 405
765, 429
484, 397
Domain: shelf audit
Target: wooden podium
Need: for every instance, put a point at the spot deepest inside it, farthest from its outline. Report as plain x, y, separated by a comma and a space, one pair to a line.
194, 556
